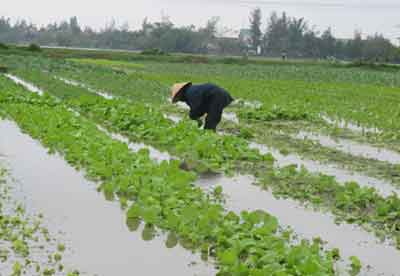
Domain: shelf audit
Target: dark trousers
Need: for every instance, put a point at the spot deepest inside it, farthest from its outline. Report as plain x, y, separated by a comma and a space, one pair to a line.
214, 115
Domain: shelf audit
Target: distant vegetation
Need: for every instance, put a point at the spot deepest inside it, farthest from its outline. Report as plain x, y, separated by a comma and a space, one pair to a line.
34, 47
284, 37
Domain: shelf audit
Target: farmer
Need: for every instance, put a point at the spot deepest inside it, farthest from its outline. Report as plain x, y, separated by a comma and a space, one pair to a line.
202, 99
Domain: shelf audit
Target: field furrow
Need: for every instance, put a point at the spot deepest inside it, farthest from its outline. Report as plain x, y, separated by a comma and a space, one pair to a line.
349, 202
301, 178
162, 194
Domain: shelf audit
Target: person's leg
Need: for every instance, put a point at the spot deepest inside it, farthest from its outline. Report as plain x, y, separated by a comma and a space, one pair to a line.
214, 116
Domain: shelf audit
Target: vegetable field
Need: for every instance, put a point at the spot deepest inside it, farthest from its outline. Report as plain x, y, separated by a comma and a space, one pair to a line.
302, 177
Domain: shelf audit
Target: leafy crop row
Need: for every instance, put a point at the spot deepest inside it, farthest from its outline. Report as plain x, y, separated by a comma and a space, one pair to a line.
140, 122
349, 202
356, 101
163, 195
352, 94
277, 135
200, 150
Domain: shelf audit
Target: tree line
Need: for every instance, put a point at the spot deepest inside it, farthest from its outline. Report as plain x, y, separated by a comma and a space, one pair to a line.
293, 37
284, 36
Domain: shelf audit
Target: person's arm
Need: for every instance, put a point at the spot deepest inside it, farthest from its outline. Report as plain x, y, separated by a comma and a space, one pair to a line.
196, 112
196, 99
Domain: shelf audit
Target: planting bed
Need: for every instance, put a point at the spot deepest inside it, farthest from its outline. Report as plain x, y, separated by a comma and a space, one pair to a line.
301, 179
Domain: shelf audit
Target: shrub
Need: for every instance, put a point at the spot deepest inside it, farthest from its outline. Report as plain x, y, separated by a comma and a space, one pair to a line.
3, 46
3, 69
34, 47
154, 52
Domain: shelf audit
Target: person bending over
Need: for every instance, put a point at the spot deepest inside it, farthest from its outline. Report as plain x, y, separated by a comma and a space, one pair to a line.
202, 99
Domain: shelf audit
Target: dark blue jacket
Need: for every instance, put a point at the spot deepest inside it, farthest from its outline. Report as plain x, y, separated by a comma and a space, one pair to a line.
206, 98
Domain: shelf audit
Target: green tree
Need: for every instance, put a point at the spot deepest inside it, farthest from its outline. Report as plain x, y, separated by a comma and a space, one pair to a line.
295, 31
277, 34
328, 43
255, 28
378, 49
74, 25
356, 46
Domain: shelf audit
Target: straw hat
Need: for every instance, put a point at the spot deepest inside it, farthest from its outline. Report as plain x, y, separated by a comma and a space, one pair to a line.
176, 90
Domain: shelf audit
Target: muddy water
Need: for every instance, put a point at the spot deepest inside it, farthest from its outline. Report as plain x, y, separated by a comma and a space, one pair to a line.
230, 116
349, 125
352, 147
105, 95
351, 240
62, 194
250, 104
25, 84
155, 154
39, 249
383, 187
95, 228
174, 118
242, 195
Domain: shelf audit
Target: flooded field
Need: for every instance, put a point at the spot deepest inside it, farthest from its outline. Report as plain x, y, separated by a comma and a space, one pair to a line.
100, 241
341, 175
285, 190
352, 147
242, 194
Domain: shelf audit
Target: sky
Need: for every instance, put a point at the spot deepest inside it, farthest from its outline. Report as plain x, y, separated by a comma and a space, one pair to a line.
343, 16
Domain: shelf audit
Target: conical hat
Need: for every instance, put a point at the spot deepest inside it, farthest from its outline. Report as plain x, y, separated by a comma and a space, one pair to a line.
177, 88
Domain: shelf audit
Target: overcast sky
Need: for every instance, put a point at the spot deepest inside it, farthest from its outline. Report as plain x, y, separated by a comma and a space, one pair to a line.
344, 16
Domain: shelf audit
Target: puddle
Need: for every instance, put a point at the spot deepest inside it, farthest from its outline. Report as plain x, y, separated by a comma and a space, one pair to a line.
351, 240
231, 116
349, 125
135, 147
174, 118
244, 103
40, 244
95, 228
383, 187
352, 147
25, 84
105, 95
